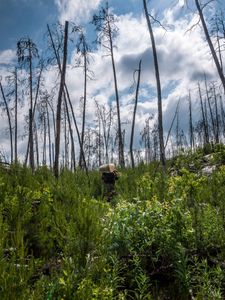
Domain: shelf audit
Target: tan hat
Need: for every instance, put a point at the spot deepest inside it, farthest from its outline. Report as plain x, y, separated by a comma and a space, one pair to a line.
107, 168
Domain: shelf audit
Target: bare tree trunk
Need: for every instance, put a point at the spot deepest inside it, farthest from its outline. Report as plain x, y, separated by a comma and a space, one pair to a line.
30, 138
216, 115
160, 116
49, 137
173, 120
210, 110
121, 146
177, 131
219, 48
65, 136
33, 113
36, 142
9, 120
89, 148
16, 112
99, 143
190, 122
73, 162
84, 108
68, 98
53, 118
106, 127
78, 134
222, 115
45, 141
206, 135
134, 115
59, 104
206, 117
107, 135
208, 39
148, 143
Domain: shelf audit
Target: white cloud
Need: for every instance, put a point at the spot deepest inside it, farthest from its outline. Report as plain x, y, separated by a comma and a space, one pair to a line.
7, 56
183, 58
76, 11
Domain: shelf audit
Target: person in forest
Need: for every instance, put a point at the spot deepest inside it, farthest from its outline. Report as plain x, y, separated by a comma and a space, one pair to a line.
109, 176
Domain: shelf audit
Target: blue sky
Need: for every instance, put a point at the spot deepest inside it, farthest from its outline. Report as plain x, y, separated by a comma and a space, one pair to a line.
21, 18
183, 54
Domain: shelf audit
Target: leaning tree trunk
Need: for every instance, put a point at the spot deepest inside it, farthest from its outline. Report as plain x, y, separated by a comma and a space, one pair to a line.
212, 49
9, 120
59, 104
159, 94
134, 116
84, 108
68, 98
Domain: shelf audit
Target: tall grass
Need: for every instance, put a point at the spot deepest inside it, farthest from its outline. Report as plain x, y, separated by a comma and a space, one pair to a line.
60, 239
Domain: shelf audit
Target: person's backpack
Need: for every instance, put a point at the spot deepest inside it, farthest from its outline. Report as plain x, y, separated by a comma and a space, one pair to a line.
109, 177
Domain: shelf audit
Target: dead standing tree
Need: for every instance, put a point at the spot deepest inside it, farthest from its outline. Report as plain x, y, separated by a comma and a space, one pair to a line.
59, 102
26, 52
218, 32
83, 61
105, 25
16, 114
106, 118
40, 70
159, 93
204, 123
13, 93
67, 97
134, 116
191, 131
9, 118
146, 139
209, 41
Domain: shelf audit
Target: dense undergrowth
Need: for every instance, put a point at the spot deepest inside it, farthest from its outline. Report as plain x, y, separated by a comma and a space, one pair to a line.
158, 239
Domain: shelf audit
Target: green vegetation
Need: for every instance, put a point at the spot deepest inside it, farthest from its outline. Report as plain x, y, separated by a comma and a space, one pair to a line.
60, 240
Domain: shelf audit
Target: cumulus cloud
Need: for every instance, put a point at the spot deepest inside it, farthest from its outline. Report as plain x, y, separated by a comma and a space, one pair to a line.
7, 56
180, 55
76, 11
183, 59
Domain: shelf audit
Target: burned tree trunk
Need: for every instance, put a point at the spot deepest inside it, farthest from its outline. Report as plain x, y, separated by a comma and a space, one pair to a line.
59, 104
159, 94
209, 41
205, 127
9, 120
134, 116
